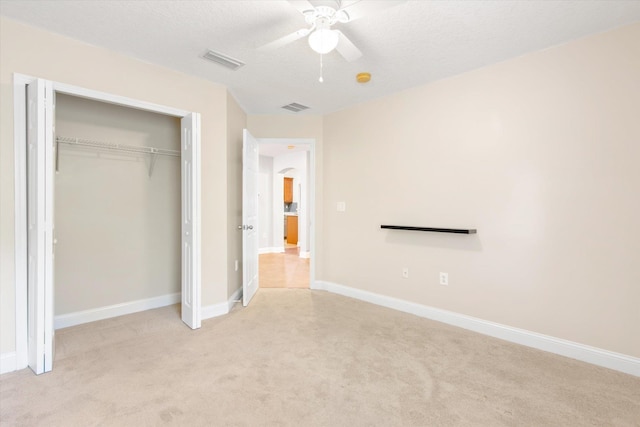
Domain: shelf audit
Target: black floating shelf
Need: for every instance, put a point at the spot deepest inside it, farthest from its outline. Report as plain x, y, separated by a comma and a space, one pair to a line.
437, 230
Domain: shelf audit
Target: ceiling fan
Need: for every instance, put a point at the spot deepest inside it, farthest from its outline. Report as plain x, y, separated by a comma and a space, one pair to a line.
322, 38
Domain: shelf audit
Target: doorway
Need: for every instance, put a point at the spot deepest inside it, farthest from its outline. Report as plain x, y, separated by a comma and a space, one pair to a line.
286, 202
34, 175
117, 210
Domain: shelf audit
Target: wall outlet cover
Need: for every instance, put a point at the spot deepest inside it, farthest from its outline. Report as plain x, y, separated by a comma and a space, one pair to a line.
444, 279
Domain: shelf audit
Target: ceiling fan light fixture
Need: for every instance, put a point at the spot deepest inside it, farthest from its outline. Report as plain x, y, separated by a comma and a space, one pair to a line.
342, 16
323, 40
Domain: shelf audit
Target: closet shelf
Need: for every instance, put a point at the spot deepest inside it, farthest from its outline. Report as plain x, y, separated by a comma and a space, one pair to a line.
153, 151
117, 147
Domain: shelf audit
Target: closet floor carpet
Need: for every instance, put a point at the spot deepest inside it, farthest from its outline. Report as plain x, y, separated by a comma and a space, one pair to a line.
308, 358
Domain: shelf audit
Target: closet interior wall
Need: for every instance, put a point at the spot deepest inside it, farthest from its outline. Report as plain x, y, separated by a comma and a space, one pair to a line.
117, 228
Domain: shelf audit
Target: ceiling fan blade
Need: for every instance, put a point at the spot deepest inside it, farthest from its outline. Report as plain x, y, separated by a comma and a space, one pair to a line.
361, 8
282, 41
302, 5
346, 48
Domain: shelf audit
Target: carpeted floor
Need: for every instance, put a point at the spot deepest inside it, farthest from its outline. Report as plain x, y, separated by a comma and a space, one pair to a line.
308, 358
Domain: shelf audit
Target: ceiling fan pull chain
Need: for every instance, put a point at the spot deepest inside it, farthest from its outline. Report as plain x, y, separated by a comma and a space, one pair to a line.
321, 66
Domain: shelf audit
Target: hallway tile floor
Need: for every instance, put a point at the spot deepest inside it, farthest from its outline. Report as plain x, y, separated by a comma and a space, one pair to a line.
284, 270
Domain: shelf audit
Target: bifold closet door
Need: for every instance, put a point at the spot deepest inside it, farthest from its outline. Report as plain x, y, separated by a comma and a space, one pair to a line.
40, 175
190, 169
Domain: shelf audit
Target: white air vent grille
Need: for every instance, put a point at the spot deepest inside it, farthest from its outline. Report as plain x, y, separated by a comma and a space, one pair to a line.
220, 59
295, 107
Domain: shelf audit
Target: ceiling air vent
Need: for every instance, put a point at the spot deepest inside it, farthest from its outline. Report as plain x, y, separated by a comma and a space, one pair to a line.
220, 59
295, 107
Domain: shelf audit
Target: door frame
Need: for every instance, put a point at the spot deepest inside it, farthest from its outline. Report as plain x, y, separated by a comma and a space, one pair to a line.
20, 82
311, 214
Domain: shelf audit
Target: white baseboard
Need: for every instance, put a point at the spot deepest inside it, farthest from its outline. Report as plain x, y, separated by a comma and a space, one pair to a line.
237, 295
305, 254
585, 353
80, 317
272, 250
320, 285
220, 309
214, 310
100, 313
8, 362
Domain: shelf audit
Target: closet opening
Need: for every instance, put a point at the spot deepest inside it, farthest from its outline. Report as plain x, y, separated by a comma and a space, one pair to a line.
90, 193
116, 212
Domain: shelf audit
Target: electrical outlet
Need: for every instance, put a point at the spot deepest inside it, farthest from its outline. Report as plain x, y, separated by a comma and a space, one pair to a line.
444, 279
341, 206
405, 272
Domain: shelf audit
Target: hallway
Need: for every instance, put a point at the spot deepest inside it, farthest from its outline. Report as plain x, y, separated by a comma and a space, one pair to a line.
284, 270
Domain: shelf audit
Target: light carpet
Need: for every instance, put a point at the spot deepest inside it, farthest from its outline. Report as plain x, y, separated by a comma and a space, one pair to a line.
308, 358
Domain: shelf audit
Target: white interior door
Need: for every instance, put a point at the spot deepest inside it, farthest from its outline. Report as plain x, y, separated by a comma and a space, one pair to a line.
250, 179
190, 146
40, 225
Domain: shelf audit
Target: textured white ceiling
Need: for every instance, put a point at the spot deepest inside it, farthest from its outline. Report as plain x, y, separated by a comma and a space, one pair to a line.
407, 45
277, 149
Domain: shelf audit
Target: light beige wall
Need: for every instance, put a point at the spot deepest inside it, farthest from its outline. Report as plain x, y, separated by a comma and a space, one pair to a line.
539, 153
236, 123
117, 228
31, 51
266, 202
294, 126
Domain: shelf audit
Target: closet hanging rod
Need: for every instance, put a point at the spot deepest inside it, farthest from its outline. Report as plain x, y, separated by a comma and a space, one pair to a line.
117, 147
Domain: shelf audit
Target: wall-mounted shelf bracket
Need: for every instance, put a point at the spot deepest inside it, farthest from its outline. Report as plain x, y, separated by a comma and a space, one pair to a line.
152, 162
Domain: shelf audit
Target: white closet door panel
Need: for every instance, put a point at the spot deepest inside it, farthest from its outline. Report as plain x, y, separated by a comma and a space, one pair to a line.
190, 143
40, 177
